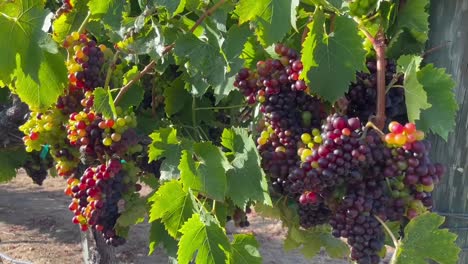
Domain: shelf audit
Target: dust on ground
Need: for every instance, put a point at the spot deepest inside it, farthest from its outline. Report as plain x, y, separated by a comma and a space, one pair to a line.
36, 227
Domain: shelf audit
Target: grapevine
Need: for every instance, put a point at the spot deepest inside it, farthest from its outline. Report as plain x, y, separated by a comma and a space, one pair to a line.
302, 110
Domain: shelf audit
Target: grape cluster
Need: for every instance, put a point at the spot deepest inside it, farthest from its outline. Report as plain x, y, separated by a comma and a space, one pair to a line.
346, 174
86, 68
96, 195
288, 112
362, 94
97, 136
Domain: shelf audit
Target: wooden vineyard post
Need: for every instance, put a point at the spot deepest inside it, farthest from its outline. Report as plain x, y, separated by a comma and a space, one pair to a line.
448, 23
95, 250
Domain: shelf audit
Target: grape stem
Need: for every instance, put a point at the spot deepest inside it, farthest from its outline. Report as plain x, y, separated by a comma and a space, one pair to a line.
387, 229
110, 70
372, 125
380, 46
166, 50
84, 23
393, 81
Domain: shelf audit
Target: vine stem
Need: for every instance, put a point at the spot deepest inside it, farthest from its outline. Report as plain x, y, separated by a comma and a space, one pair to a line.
85, 21
110, 70
166, 50
207, 13
387, 229
380, 46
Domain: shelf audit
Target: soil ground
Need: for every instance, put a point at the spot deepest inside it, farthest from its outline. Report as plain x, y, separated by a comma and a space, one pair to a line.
36, 227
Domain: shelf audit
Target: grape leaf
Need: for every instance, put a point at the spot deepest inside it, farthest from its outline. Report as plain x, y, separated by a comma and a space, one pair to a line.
331, 61
174, 7
104, 103
244, 250
172, 205
10, 161
21, 31
206, 239
30, 54
203, 62
70, 21
294, 6
166, 145
414, 17
109, 11
176, 97
246, 180
415, 96
270, 17
52, 77
440, 118
248, 10
424, 240
204, 170
403, 43
134, 96
312, 240
159, 235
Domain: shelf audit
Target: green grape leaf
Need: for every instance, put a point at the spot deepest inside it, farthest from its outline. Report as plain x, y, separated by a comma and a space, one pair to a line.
203, 62
236, 38
21, 33
10, 161
440, 118
30, 55
331, 61
172, 205
52, 78
206, 239
134, 96
104, 103
176, 97
68, 22
294, 6
204, 170
109, 11
414, 17
246, 180
150, 42
244, 250
159, 235
270, 17
415, 96
248, 10
403, 43
174, 7
312, 240
424, 240
166, 145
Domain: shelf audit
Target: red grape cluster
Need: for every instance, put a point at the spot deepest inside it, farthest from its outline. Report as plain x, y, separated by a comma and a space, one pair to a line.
389, 181
85, 70
288, 112
95, 198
